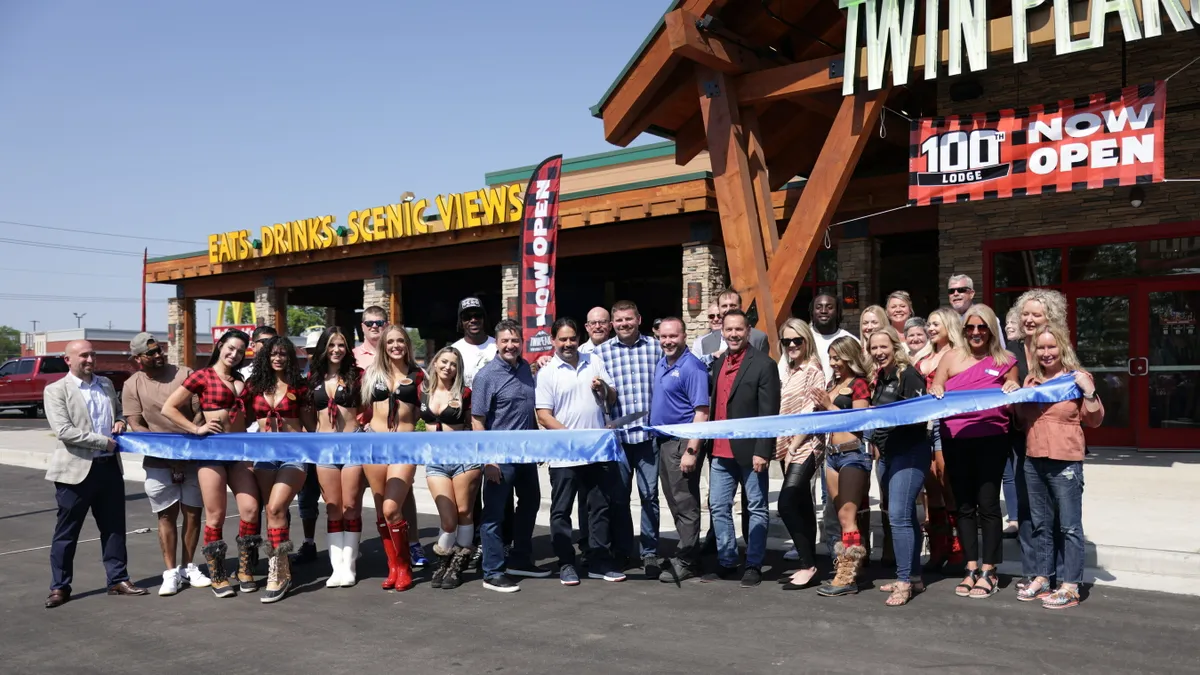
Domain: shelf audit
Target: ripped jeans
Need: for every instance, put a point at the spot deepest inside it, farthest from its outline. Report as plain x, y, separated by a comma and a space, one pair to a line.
1056, 509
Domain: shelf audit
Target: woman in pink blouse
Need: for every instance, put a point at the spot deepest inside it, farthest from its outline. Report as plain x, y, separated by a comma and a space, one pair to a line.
803, 391
1054, 449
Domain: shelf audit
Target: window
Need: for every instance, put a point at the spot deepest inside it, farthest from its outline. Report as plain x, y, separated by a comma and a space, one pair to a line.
1021, 269
25, 366
54, 364
8, 368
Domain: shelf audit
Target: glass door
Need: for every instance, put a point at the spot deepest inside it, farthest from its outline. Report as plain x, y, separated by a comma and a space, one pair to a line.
1171, 361
1102, 321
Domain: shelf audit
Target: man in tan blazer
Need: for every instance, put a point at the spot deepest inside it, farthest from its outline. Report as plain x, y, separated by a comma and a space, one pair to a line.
84, 411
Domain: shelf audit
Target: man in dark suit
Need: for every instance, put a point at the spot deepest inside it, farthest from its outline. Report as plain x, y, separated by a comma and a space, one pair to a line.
745, 383
84, 411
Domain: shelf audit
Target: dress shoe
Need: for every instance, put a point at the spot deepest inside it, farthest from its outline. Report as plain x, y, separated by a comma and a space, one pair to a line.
125, 588
58, 597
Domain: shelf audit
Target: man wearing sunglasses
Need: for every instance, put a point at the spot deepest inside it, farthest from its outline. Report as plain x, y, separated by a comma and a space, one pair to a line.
374, 319
476, 346
961, 290
171, 486
713, 334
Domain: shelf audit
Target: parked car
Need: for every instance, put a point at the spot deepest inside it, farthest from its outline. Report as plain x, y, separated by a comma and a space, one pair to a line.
23, 381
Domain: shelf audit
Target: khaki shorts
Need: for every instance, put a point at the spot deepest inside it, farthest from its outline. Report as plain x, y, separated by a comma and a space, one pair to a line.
164, 492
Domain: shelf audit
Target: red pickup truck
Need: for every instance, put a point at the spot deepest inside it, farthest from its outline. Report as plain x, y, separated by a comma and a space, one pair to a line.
23, 380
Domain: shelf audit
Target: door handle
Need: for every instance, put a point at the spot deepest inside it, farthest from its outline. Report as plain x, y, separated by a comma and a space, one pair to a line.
1139, 366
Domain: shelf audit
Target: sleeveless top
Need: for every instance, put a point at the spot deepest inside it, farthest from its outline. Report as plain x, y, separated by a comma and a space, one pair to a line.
987, 374
450, 415
403, 393
213, 394
344, 395
288, 407
858, 390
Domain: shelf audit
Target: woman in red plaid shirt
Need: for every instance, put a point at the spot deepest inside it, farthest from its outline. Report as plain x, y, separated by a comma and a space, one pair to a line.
221, 391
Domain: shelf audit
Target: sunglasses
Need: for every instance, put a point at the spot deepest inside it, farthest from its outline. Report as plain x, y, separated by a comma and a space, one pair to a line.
375, 323
961, 290
791, 342
472, 316
975, 328
157, 351
712, 316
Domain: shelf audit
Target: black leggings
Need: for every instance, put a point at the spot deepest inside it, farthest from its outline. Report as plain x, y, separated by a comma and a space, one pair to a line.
796, 509
975, 467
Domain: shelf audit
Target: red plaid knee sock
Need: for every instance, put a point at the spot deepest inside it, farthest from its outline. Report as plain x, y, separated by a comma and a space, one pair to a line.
335, 526
212, 534
354, 525
277, 535
246, 529
852, 539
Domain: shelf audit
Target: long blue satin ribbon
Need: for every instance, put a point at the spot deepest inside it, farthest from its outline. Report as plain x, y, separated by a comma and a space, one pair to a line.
586, 445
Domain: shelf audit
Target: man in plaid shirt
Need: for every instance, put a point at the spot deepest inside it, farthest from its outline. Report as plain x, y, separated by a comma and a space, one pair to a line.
630, 359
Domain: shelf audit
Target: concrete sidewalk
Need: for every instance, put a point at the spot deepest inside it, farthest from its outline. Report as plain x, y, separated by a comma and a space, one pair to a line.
1135, 515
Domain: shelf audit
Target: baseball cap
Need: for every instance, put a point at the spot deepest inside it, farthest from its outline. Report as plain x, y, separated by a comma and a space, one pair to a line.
141, 343
311, 341
469, 303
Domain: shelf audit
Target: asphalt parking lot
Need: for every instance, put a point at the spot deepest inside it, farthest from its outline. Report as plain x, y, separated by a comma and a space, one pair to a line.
636, 626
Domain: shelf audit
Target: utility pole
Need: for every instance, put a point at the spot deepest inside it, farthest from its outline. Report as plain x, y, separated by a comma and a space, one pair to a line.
110, 325
79, 319
210, 319
35, 323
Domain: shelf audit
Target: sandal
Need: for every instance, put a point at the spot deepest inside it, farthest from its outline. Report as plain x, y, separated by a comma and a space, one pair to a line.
1063, 598
902, 592
1034, 590
917, 586
964, 589
993, 584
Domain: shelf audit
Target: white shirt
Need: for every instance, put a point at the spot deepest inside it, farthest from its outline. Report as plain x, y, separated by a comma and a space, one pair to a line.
99, 407
475, 356
567, 393
822, 347
589, 346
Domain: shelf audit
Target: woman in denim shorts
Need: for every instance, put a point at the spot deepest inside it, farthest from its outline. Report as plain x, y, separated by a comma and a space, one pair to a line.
446, 406
280, 403
334, 383
847, 463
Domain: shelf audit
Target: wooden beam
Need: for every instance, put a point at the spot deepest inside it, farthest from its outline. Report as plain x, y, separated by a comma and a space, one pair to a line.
757, 156
706, 48
736, 200
812, 76
822, 194
188, 339
690, 140
395, 300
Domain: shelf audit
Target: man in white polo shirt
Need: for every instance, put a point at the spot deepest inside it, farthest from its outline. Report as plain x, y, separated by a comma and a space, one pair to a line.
573, 390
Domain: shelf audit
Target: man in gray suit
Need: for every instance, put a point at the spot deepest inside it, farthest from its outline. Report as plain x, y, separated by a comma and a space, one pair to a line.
84, 411
713, 345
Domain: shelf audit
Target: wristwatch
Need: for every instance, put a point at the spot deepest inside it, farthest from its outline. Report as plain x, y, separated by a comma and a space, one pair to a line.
1091, 396
690, 450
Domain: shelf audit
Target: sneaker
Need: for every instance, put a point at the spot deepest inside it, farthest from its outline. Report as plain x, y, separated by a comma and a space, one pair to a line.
607, 575
652, 566
719, 574
751, 577
567, 576
417, 553
476, 562
170, 584
526, 568
501, 583
306, 554
674, 571
792, 554
194, 577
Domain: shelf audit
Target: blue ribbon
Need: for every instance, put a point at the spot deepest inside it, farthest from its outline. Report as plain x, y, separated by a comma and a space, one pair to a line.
582, 445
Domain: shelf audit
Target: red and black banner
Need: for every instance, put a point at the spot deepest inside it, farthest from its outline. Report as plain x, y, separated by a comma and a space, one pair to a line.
539, 248
1098, 141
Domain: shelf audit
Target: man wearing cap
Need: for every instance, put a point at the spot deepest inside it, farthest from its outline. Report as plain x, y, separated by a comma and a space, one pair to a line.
171, 486
476, 346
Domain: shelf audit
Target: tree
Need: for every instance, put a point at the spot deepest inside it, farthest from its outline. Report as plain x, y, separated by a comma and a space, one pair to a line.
10, 343
300, 317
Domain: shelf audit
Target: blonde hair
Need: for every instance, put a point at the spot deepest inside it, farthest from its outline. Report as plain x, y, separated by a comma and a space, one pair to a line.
850, 352
904, 297
985, 314
435, 382
952, 326
880, 315
808, 349
1054, 302
1066, 353
899, 350
381, 370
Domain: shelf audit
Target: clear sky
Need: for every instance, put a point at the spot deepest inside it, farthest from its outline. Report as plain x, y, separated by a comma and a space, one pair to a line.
175, 120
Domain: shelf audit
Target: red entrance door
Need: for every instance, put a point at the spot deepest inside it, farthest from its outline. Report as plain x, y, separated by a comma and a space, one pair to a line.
1141, 342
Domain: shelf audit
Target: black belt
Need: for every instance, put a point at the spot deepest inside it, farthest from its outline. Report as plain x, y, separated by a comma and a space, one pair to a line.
840, 448
104, 458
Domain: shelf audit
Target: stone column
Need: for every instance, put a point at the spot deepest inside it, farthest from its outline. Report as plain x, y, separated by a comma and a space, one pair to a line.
270, 307
856, 263
703, 264
510, 291
178, 309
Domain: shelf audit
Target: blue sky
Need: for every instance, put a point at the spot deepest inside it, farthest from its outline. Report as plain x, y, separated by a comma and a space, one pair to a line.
176, 120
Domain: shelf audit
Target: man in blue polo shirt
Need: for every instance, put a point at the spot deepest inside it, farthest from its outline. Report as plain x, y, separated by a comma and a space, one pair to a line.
680, 396
502, 399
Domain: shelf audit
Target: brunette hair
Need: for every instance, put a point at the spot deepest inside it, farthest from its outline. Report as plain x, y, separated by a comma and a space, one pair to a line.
508, 326
381, 370
985, 314
560, 323
808, 349
229, 335
319, 365
624, 306
850, 352
1066, 352
263, 380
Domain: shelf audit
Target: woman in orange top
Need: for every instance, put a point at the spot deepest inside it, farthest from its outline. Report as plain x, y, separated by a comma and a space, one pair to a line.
803, 391
1054, 449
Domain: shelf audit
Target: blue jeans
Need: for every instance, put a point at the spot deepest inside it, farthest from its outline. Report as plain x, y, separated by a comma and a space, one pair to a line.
524, 479
642, 460
904, 475
1021, 508
723, 479
1056, 495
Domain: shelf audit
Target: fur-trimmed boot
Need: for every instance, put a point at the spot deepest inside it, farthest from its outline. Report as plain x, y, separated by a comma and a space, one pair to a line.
399, 536
214, 555
847, 566
247, 545
458, 562
389, 549
279, 573
443, 564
